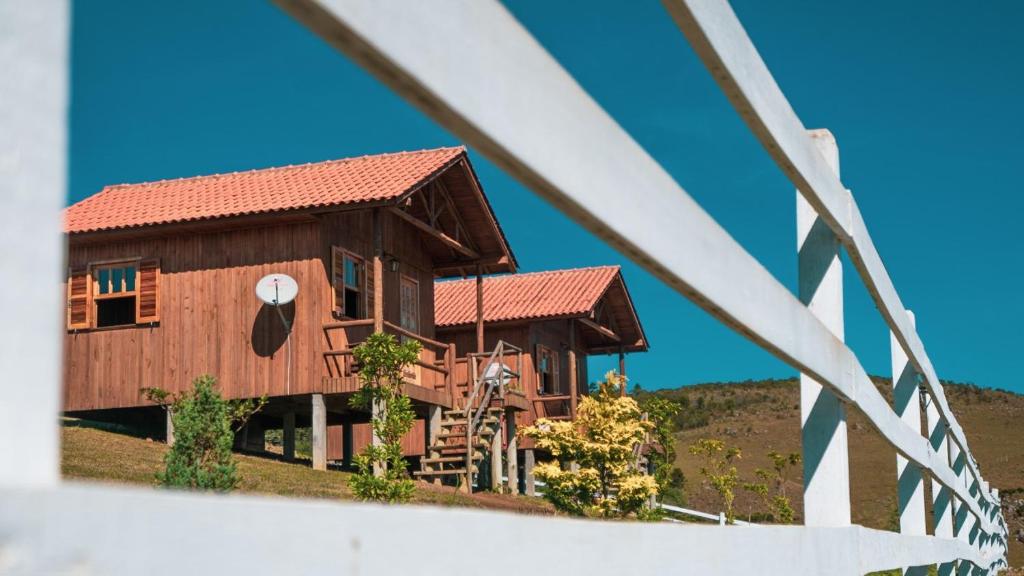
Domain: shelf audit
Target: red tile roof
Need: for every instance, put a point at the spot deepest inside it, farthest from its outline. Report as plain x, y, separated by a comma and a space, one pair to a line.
323, 184
559, 293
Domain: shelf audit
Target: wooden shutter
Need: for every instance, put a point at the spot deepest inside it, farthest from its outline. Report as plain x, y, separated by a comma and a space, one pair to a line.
556, 380
79, 289
338, 279
147, 305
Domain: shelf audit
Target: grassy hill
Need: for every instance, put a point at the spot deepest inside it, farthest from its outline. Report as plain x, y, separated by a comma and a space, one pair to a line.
103, 453
758, 416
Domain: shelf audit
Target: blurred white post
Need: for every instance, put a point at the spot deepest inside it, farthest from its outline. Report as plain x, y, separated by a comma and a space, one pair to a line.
33, 172
822, 415
909, 481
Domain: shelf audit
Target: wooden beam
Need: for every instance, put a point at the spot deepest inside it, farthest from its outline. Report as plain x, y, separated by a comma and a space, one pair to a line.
434, 232
479, 309
573, 374
622, 371
459, 269
607, 333
378, 273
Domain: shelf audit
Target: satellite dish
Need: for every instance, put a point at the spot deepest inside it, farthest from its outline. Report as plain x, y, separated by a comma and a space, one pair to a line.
277, 289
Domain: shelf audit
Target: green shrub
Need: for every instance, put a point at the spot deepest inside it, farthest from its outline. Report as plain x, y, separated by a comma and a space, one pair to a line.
381, 471
204, 430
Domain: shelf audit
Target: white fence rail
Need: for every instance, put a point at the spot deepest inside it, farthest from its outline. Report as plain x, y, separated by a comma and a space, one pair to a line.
472, 67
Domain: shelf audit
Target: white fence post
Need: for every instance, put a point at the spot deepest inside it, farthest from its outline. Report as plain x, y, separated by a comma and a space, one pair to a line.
942, 502
963, 523
33, 168
909, 481
822, 415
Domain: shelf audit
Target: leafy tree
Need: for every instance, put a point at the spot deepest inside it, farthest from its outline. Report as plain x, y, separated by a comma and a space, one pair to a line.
381, 470
719, 470
595, 456
662, 412
204, 430
777, 504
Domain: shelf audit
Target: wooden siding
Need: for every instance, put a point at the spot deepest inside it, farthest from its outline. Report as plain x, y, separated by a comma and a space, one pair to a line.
413, 443
210, 321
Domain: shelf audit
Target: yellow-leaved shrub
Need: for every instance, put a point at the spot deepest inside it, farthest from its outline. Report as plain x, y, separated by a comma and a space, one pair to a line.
594, 472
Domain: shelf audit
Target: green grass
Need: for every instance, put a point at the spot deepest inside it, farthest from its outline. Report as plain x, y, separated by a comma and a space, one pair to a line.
99, 453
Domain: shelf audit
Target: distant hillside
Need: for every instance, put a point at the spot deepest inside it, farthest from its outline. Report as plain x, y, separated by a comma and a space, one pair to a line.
758, 416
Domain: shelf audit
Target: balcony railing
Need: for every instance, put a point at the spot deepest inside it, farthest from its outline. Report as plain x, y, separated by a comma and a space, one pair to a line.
344, 336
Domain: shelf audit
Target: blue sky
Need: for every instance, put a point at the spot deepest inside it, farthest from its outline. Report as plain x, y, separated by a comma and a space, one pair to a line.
923, 99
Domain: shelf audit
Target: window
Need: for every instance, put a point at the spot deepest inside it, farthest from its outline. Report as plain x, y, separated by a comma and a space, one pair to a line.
547, 370
349, 285
410, 305
113, 294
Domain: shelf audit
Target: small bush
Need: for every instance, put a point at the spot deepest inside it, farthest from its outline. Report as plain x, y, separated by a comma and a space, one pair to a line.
204, 430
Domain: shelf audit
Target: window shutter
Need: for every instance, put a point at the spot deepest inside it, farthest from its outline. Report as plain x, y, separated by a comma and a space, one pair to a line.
338, 279
556, 379
79, 287
148, 302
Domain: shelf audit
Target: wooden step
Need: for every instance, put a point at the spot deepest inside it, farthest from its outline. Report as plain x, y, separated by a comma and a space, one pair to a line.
443, 472
462, 413
449, 459
462, 422
483, 432
457, 447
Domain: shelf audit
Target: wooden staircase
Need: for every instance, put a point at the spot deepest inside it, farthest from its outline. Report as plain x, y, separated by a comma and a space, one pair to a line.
449, 456
467, 434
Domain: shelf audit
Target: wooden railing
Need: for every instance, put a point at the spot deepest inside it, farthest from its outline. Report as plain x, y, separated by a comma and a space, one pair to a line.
362, 328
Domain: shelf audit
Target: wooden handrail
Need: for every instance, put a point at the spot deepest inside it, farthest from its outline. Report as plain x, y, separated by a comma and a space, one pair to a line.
348, 324
415, 336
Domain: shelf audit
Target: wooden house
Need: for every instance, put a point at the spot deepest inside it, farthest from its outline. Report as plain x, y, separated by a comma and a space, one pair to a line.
161, 279
555, 318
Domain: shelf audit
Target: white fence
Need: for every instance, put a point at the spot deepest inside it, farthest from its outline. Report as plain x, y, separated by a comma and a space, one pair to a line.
473, 68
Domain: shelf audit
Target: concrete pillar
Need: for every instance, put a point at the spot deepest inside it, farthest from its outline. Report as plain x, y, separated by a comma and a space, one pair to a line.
433, 425
531, 489
910, 483
511, 452
347, 447
319, 433
822, 415
942, 502
169, 436
288, 435
495, 459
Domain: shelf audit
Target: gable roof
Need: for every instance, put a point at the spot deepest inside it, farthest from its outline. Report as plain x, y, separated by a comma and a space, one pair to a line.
334, 183
573, 293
